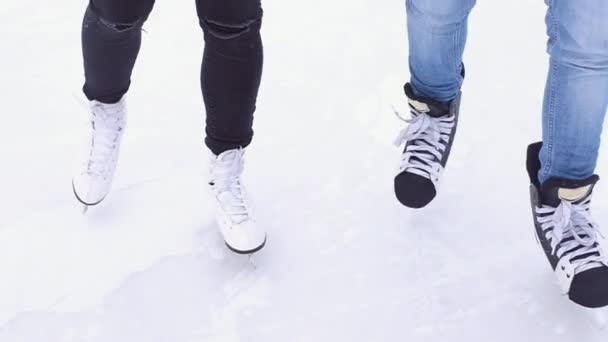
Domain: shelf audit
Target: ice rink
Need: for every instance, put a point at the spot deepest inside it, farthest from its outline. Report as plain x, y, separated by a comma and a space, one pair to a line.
344, 260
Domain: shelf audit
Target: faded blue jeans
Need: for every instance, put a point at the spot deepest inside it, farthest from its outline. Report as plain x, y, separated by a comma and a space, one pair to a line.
576, 94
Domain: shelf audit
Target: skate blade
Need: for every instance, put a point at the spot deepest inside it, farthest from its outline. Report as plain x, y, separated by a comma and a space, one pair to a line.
243, 252
249, 254
251, 260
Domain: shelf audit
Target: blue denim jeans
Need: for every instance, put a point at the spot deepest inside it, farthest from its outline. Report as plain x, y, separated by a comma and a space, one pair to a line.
576, 95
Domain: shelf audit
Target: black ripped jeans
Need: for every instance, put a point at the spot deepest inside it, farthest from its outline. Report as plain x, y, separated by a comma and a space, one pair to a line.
232, 61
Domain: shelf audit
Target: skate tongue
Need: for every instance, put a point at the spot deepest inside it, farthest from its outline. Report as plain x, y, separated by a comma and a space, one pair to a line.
555, 190
573, 195
426, 105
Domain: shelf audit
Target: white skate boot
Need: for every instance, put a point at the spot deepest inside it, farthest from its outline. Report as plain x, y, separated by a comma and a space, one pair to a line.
93, 181
234, 214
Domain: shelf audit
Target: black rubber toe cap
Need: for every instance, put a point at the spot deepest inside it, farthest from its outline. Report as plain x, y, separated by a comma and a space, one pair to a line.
414, 191
590, 288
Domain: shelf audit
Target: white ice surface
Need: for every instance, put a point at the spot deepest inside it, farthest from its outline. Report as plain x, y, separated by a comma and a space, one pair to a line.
344, 262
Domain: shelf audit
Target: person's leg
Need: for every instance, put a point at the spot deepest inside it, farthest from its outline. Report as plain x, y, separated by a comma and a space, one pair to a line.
576, 96
111, 38
561, 167
231, 70
437, 32
230, 79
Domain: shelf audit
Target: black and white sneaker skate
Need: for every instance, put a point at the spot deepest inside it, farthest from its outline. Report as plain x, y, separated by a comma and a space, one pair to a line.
570, 239
428, 141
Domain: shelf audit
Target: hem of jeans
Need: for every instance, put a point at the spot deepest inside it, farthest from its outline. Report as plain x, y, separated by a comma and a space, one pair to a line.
218, 148
446, 99
107, 99
570, 177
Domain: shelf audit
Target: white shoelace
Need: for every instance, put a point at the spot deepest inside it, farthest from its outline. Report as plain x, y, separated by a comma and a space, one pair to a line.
227, 185
429, 137
571, 227
107, 122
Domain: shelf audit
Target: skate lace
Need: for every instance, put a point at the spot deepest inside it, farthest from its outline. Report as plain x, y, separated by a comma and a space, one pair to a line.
573, 234
428, 138
107, 122
228, 187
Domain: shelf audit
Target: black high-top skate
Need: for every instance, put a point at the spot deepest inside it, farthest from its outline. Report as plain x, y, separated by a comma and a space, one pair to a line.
570, 239
428, 141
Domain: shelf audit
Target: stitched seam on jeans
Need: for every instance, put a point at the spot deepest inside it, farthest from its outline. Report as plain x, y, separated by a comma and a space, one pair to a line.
552, 91
459, 36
